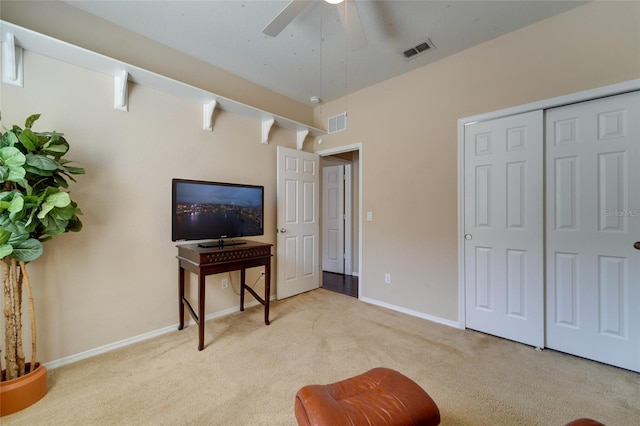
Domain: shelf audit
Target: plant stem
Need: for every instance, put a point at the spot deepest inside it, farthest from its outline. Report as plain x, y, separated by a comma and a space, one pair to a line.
17, 300
11, 371
32, 313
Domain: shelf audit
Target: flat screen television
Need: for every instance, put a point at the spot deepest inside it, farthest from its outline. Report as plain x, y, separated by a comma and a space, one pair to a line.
218, 211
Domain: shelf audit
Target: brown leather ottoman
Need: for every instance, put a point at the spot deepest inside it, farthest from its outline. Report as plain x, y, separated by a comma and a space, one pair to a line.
584, 422
378, 397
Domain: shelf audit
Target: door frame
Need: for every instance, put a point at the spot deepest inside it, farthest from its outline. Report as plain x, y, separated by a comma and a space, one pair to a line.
340, 150
347, 211
587, 95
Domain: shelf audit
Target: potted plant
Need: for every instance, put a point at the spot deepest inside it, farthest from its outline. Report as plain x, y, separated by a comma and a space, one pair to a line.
34, 206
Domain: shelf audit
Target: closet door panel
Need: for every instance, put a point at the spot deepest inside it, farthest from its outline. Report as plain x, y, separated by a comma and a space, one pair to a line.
503, 219
592, 223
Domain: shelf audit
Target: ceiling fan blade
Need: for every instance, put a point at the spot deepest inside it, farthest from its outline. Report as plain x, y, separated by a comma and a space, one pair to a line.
284, 18
352, 25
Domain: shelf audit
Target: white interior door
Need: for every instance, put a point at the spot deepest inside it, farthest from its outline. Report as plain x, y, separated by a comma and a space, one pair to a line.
593, 221
504, 275
333, 219
298, 256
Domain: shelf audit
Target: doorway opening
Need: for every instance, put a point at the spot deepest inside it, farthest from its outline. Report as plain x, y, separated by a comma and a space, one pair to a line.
340, 283
341, 227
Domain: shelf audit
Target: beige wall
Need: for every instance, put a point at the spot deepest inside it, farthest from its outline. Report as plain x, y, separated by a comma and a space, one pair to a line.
408, 128
117, 278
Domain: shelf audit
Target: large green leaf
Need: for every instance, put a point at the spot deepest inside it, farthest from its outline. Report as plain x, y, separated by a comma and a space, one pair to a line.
75, 224
12, 157
17, 204
29, 140
12, 161
64, 213
30, 120
4, 237
53, 226
28, 250
18, 237
41, 162
5, 250
75, 170
9, 138
38, 172
8, 224
4, 173
56, 149
58, 199
17, 174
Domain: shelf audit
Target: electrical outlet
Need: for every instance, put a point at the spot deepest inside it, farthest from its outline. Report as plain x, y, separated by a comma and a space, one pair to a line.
225, 283
387, 278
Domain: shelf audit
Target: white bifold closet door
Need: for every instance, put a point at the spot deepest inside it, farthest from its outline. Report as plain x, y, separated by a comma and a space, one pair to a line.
504, 273
592, 224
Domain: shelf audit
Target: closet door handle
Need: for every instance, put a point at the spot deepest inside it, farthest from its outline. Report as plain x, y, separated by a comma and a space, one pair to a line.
637, 245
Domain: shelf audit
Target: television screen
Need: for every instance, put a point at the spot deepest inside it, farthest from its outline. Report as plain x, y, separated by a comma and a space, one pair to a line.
214, 210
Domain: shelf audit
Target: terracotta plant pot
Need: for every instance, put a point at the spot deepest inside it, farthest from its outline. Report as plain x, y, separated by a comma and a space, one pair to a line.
18, 394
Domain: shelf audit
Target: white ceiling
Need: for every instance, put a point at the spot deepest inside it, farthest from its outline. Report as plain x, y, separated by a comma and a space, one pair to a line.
310, 57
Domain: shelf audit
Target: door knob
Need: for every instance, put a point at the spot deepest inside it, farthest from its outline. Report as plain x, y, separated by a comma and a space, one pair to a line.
468, 236
637, 245
282, 230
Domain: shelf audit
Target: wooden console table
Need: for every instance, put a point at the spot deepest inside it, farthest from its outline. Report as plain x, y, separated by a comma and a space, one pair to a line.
204, 261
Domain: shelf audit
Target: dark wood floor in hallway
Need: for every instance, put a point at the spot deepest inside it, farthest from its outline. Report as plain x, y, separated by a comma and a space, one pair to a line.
345, 284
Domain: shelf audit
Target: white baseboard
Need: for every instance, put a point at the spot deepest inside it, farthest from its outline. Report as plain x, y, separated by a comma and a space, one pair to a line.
142, 337
431, 318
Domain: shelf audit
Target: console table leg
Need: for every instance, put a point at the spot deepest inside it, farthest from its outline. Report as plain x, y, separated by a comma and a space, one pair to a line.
201, 315
267, 291
242, 285
180, 297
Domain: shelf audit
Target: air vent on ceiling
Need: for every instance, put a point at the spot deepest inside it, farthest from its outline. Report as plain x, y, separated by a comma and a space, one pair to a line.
337, 123
418, 49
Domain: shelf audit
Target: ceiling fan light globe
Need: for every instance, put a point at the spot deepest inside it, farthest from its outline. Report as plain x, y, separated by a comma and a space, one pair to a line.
334, 1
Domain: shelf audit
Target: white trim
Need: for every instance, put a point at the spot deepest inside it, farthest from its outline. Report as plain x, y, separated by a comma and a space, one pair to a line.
340, 150
348, 210
207, 115
412, 313
586, 95
121, 91
348, 269
462, 317
140, 338
267, 123
12, 63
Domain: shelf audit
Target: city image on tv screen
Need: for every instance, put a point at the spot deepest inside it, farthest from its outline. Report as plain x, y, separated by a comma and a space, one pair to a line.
215, 210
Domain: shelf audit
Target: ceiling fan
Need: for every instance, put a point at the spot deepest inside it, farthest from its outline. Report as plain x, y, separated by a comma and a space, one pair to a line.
348, 16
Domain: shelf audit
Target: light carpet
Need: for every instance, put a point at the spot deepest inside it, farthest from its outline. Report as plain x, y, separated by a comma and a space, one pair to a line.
249, 373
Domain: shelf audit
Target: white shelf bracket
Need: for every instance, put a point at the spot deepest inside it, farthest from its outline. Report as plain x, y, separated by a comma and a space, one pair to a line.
121, 91
12, 65
302, 134
207, 115
266, 128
